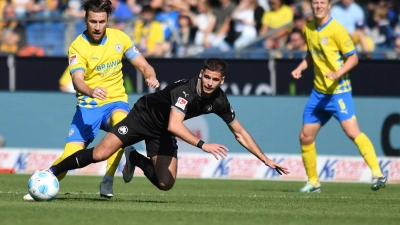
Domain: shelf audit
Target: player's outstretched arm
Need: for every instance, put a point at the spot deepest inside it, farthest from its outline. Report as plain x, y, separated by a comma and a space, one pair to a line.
176, 127
147, 70
245, 139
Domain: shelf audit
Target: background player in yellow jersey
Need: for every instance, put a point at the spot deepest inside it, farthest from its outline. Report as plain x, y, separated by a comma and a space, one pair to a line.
332, 52
95, 62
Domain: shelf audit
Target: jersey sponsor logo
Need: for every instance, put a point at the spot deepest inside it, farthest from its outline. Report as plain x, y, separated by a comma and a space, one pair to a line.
108, 65
181, 103
118, 47
73, 59
324, 40
348, 43
123, 130
95, 57
71, 132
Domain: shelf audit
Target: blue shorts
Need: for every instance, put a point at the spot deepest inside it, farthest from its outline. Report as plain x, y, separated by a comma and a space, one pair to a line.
87, 121
321, 107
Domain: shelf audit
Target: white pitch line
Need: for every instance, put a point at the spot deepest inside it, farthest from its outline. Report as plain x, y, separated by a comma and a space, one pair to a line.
300, 196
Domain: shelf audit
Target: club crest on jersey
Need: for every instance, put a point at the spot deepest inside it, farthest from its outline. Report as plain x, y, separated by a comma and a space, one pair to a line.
118, 48
73, 59
123, 130
324, 40
181, 103
71, 132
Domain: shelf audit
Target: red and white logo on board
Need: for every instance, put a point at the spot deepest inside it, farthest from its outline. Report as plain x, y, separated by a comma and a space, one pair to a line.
181, 103
73, 59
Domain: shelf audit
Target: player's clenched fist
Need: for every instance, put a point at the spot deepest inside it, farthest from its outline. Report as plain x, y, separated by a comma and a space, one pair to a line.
152, 82
296, 74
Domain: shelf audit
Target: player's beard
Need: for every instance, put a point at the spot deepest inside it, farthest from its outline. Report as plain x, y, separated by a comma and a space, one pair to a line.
97, 36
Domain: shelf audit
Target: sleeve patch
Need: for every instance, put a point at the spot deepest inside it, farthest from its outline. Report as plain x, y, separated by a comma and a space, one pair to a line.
181, 103
73, 59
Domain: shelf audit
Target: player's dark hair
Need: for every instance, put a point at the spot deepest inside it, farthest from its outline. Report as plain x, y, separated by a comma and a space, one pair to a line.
97, 6
215, 64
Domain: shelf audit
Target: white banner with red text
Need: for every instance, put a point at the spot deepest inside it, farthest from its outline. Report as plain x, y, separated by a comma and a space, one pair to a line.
202, 165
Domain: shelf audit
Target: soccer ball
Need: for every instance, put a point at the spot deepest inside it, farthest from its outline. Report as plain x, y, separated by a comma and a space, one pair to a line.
43, 185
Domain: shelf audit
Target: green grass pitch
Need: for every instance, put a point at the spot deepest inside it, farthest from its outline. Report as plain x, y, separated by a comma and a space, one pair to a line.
199, 201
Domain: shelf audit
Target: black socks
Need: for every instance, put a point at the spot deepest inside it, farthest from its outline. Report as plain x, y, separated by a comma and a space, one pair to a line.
77, 160
146, 165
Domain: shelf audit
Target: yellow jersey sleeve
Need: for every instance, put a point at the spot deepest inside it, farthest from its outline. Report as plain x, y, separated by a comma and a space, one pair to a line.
344, 41
76, 60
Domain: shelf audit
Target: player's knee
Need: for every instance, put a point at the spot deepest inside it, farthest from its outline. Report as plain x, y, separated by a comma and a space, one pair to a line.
306, 139
166, 186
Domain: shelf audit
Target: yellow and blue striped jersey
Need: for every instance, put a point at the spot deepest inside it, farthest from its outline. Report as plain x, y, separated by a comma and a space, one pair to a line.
329, 45
102, 64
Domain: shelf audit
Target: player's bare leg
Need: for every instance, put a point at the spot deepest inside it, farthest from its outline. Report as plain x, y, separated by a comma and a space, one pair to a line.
166, 170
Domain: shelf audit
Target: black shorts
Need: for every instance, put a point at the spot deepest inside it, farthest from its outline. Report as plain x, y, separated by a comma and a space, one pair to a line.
132, 130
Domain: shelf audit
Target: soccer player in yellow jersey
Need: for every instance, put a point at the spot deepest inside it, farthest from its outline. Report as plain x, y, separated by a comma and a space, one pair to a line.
95, 62
332, 52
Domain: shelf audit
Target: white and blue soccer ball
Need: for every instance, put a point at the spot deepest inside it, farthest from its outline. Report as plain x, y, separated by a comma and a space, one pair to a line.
43, 185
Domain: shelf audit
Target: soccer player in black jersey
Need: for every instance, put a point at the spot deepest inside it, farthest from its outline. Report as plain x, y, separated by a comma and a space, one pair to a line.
158, 118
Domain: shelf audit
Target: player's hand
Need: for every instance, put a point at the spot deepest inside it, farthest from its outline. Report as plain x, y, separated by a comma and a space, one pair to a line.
215, 149
274, 165
296, 74
99, 93
332, 75
152, 82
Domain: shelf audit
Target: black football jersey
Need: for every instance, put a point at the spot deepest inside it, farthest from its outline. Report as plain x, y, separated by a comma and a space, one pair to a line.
183, 96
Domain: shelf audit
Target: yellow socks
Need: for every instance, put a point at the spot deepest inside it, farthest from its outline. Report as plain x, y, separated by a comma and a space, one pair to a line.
113, 161
69, 149
309, 155
367, 151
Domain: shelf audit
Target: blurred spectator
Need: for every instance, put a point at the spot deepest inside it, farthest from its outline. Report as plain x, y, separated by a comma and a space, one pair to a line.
347, 13
258, 14
13, 35
264, 4
149, 34
279, 16
222, 24
396, 53
299, 21
22, 7
2, 4
45, 9
382, 32
243, 30
185, 43
397, 43
121, 15
168, 17
65, 82
204, 20
74, 9
136, 5
362, 39
296, 42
